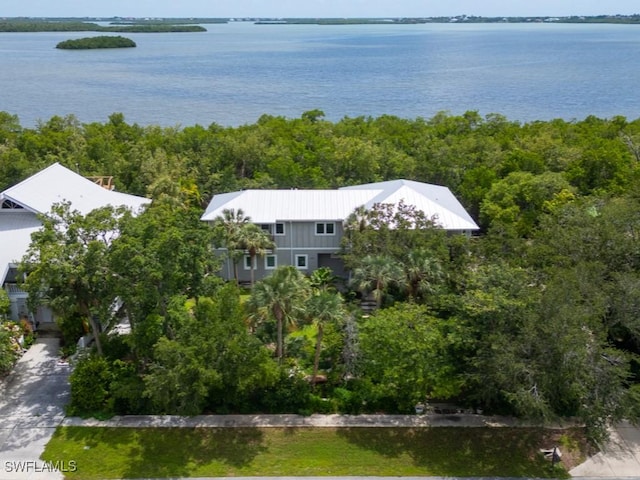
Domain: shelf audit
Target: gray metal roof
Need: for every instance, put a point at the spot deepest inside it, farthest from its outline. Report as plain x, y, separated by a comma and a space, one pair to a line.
270, 206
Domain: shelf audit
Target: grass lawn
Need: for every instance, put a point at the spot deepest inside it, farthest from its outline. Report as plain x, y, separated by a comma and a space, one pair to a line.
201, 452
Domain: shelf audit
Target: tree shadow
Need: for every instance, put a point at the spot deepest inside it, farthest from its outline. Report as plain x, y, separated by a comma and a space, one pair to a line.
459, 451
163, 452
176, 452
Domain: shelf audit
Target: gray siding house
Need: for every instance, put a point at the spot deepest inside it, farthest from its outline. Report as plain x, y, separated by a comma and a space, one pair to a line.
307, 225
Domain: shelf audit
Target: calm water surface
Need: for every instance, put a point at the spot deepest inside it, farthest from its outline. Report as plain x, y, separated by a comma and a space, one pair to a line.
234, 73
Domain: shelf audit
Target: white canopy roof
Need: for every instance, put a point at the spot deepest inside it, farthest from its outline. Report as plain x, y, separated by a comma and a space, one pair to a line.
270, 206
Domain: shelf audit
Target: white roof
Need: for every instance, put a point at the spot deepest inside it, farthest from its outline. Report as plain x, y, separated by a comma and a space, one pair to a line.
269, 206
56, 184
37, 194
434, 200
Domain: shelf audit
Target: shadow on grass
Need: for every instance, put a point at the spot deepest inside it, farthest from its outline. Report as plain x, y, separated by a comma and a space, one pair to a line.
160, 452
464, 452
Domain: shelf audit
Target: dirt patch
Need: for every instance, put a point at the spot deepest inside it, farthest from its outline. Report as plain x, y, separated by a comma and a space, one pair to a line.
572, 443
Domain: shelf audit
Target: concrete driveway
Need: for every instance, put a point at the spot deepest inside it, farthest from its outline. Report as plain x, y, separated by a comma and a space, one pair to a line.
32, 400
619, 459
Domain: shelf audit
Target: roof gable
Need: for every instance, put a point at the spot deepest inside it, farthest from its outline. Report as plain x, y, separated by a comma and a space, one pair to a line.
435, 201
56, 184
269, 206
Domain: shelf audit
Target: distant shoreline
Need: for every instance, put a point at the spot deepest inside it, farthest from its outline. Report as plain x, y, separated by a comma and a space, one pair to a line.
122, 24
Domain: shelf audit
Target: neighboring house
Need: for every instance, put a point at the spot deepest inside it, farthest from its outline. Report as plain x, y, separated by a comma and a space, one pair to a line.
307, 225
19, 209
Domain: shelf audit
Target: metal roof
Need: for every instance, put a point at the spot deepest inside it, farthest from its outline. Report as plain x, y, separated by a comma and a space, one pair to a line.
56, 184
435, 201
270, 206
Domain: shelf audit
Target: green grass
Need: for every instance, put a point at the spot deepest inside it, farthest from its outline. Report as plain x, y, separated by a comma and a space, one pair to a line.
200, 452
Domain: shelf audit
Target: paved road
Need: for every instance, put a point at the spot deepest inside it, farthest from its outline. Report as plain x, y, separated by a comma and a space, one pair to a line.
32, 400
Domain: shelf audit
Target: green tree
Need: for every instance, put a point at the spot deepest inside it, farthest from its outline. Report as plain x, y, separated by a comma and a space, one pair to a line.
323, 307
256, 242
392, 230
280, 297
423, 272
405, 353
228, 233
164, 252
375, 275
516, 202
212, 362
67, 264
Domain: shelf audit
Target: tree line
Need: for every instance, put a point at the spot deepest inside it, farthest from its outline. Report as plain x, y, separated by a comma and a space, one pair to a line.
34, 25
536, 316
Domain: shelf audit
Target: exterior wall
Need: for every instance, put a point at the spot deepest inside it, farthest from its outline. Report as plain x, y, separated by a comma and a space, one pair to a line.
302, 235
299, 246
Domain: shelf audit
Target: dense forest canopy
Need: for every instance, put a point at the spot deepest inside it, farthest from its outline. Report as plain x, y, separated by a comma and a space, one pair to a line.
536, 316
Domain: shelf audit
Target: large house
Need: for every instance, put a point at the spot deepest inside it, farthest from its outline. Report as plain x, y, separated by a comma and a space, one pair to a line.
307, 225
20, 206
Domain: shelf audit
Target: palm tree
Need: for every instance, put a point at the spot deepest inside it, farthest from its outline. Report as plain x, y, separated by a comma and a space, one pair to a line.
322, 279
323, 307
228, 227
423, 272
280, 296
256, 242
375, 274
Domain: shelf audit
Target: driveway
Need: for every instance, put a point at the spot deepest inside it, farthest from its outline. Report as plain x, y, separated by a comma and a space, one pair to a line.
32, 400
620, 458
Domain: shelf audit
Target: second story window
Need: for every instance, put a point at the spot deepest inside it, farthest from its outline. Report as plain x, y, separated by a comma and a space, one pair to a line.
325, 228
279, 230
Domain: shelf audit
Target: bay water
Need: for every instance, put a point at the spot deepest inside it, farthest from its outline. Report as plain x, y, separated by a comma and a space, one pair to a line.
236, 72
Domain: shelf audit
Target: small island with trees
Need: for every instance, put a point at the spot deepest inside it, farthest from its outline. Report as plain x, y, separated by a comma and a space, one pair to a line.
104, 41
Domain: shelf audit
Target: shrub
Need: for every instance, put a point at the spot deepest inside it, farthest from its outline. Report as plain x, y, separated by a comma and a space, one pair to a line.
72, 328
318, 404
126, 390
10, 347
27, 332
8, 354
90, 383
289, 394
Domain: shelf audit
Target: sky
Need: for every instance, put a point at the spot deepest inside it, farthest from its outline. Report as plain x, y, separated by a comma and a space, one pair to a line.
313, 8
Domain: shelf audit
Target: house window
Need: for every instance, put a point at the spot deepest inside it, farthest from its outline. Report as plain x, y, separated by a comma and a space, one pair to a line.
279, 228
302, 262
270, 262
266, 227
247, 263
325, 228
